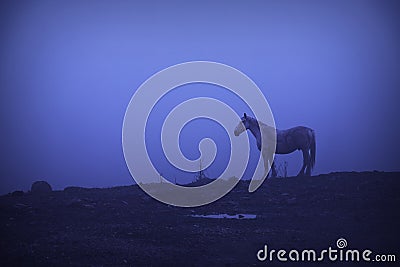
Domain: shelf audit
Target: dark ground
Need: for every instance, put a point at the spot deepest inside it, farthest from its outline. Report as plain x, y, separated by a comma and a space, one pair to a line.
123, 226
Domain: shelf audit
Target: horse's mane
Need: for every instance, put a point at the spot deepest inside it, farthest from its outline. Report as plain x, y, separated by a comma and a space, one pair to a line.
260, 123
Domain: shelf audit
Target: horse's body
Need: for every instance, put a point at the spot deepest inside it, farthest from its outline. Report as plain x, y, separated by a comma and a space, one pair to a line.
287, 141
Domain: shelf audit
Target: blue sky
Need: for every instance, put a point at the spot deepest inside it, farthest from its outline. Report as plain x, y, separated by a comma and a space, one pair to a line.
69, 68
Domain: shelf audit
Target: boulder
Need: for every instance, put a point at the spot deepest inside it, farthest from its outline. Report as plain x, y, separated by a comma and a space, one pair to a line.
74, 189
17, 193
41, 187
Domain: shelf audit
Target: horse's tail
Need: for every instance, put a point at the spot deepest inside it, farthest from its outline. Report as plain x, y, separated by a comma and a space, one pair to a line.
312, 149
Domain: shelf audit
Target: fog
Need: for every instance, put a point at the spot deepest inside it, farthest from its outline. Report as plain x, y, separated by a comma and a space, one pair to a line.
69, 69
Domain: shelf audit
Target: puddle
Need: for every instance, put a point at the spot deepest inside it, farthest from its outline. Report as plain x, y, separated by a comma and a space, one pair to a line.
226, 216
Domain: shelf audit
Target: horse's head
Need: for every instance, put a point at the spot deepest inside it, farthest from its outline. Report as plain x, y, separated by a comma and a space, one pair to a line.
243, 125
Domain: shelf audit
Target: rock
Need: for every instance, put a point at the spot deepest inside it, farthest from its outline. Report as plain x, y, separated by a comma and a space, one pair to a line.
17, 193
74, 189
292, 200
41, 187
81, 203
20, 206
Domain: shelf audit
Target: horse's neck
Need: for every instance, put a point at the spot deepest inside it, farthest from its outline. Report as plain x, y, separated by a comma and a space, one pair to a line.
255, 130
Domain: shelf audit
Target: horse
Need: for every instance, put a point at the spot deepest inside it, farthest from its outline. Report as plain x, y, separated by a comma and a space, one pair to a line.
287, 141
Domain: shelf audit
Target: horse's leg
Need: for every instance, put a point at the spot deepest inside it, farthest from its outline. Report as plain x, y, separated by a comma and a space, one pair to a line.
266, 165
267, 162
273, 168
308, 168
305, 162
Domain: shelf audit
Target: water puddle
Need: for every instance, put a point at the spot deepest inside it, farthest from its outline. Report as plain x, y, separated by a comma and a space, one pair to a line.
226, 216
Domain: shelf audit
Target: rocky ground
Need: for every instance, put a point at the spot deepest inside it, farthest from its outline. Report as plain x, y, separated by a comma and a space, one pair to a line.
122, 226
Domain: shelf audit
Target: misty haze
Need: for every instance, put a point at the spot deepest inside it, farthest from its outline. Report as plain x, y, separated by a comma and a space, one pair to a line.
68, 71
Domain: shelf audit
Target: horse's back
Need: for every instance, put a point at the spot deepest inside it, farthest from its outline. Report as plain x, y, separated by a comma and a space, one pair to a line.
293, 139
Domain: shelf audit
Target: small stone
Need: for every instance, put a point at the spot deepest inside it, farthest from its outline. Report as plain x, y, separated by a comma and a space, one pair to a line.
17, 193
41, 187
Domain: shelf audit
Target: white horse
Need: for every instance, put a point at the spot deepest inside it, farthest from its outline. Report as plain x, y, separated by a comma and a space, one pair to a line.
287, 141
